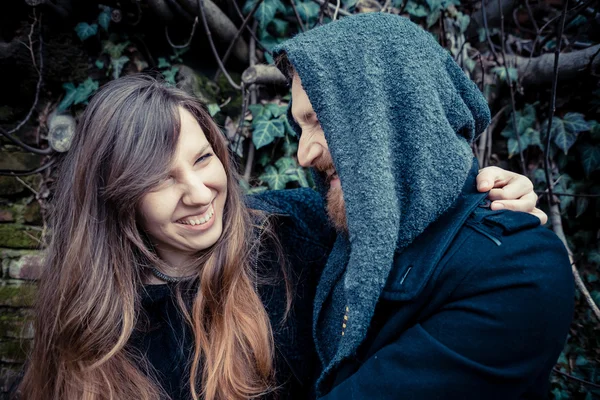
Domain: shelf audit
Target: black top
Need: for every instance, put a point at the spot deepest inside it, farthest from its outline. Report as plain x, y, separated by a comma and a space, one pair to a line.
166, 341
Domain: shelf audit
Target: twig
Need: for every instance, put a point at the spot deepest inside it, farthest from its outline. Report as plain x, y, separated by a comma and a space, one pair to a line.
583, 382
186, 44
482, 72
516, 21
487, 30
213, 48
27, 186
258, 42
238, 132
10, 172
237, 35
512, 93
39, 83
332, 7
23, 145
30, 47
251, 149
337, 10
300, 23
530, 13
545, 193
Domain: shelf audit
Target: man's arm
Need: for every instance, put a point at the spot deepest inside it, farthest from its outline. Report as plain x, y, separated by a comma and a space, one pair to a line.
496, 336
509, 190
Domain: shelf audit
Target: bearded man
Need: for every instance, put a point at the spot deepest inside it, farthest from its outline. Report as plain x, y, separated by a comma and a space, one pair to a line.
428, 293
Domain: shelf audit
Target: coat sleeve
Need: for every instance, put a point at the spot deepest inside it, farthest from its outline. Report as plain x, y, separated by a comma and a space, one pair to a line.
496, 334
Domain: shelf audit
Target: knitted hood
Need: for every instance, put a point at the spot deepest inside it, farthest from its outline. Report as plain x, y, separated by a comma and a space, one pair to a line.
399, 116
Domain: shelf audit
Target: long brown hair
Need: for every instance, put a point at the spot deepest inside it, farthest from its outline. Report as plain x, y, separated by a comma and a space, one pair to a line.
88, 298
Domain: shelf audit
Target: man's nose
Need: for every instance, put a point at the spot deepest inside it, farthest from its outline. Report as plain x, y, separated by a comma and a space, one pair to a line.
196, 192
309, 150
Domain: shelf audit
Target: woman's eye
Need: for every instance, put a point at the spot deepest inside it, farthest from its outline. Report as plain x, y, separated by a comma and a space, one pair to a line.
204, 158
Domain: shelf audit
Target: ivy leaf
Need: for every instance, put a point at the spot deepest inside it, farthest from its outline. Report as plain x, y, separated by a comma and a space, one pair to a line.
594, 130
104, 18
594, 257
285, 164
257, 190
163, 63
274, 178
99, 64
170, 75
69, 97
117, 65
114, 50
415, 10
562, 137
265, 13
575, 123
581, 206
290, 148
258, 111
85, 90
308, 10
350, 4
590, 158
501, 73
525, 119
276, 110
433, 17
463, 21
266, 130
280, 26
213, 109
85, 30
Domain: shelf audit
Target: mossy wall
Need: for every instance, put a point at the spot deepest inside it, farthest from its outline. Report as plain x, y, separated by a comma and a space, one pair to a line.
21, 232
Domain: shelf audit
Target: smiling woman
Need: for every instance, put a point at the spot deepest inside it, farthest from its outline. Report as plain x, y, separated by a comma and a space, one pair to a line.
148, 195
184, 214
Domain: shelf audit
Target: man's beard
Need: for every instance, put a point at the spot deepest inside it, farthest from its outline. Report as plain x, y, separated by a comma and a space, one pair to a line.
336, 207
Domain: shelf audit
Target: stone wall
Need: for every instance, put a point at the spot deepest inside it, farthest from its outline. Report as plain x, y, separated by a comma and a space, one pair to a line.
21, 231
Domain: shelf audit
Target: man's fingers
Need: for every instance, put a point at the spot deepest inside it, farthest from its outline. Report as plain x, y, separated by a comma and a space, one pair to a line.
488, 178
525, 204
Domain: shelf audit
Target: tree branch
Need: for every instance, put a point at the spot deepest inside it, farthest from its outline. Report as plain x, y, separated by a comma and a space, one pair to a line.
264, 75
212, 45
220, 23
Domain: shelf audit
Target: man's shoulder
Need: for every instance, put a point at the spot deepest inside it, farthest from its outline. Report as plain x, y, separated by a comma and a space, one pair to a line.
499, 248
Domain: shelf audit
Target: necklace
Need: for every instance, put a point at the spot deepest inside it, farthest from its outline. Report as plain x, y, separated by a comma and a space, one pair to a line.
164, 277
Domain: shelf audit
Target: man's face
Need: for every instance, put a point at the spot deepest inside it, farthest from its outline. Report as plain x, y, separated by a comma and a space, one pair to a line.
314, 152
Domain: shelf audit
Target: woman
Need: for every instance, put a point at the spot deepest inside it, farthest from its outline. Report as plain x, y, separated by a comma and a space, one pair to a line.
148, 195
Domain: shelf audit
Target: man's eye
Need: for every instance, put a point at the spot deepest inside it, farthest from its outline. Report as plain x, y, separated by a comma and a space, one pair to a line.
204, 158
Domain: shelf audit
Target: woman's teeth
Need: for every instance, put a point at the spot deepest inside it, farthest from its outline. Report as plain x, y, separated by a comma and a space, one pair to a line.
199, 220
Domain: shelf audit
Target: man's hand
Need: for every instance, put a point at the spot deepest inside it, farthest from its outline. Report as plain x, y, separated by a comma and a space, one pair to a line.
509, 190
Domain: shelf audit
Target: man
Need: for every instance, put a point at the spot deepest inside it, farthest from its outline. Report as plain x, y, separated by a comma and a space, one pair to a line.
427, 293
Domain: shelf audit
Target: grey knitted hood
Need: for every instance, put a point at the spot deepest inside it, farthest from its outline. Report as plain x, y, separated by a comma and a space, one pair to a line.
399, 116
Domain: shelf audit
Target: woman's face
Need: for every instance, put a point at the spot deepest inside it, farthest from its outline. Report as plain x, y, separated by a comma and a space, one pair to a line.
184, 214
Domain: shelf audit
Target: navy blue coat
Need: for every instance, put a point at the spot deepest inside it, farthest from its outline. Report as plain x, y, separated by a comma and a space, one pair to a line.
477, 307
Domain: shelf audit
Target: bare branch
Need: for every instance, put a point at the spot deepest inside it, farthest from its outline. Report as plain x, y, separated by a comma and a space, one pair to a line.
237, 35
219, 23
253, 100
264, 75
24, 145
332, 7
300, 23
512, 92
212, 45
10, 172
37, 88
189, 41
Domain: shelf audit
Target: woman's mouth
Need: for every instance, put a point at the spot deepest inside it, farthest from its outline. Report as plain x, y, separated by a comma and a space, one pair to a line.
199, 222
